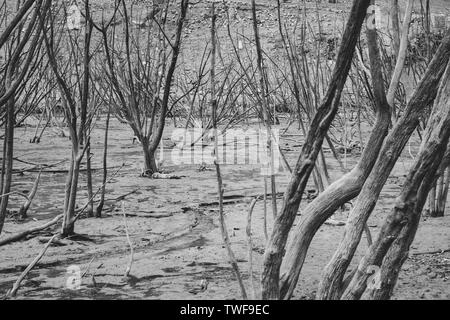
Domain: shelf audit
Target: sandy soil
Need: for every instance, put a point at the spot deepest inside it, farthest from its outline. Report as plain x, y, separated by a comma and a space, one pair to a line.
176, 236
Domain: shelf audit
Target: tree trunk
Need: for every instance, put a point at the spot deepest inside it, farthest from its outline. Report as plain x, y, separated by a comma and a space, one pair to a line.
8, 159
432, 200
439, 193
395, 28
98, 211
401, 58
423, 96
390, 250
319, 126
90, 193
344, 189
445, 191
149, 158
157, 135
71, 196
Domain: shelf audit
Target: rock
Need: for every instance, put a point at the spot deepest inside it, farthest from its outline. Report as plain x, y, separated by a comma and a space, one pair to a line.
335, 223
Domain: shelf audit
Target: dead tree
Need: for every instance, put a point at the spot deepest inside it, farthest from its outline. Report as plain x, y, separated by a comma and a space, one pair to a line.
220, 187
424, 95
141, 76
25, 40
400, 54
344, 189
319, 126
265, 107
391, 248
74, 89
306, 84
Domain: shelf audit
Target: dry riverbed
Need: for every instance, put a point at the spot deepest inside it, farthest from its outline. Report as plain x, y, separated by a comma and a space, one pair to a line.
174, 229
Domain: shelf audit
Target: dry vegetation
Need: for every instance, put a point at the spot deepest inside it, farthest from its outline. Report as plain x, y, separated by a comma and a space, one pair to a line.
364, 171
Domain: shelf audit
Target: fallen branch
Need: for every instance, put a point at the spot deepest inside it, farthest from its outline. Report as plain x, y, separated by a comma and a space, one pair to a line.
14, 192
430, 252
130, 263
122, 197
233, 199
87, 268
16, 285
56, 242
21, 235
38, 168
162, 176
25, 206
151, 215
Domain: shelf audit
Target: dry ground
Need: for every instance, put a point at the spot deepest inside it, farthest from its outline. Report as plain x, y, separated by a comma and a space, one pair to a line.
176, 234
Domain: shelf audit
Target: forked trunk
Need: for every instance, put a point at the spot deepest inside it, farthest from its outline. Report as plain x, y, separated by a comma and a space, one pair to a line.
318, 129
344, 189
70, 200
149, 158
331, 283
391, 247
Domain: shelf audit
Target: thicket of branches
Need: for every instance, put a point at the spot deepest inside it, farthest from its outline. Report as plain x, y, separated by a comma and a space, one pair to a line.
130, 70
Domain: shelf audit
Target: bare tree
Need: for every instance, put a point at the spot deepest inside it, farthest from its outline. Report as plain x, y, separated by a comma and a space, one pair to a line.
391, 247
142, 81
65, 55
345, 188
424, 95
319, 126
24, 40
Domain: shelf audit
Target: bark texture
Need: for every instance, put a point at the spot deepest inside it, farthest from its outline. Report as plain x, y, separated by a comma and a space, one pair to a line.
319, 126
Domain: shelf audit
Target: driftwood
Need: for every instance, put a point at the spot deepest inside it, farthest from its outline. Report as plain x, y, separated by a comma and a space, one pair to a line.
55, 242
87, 268
36, 169
233, 199
122, 197
142, 214
430, 252
162, 176
16, 285
21, 235
25, 206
